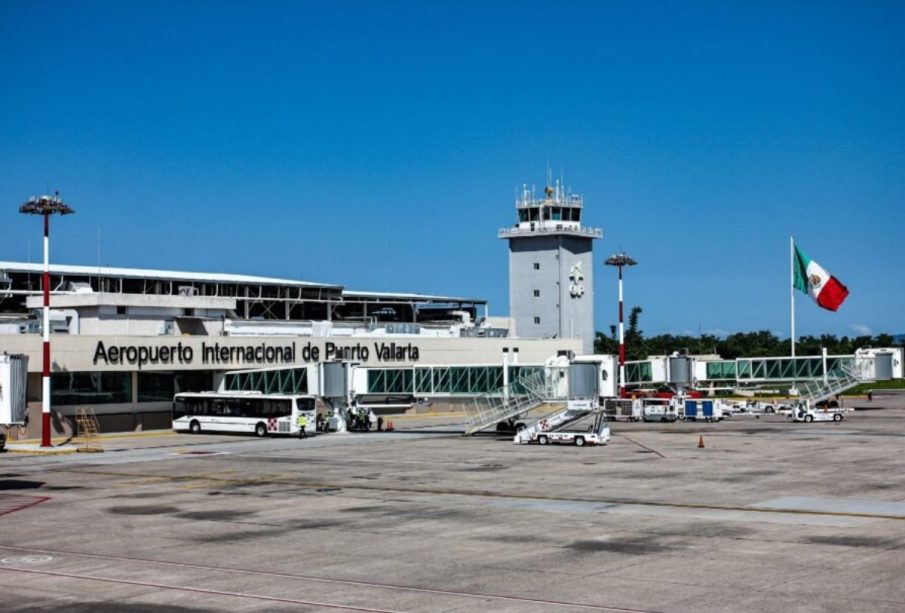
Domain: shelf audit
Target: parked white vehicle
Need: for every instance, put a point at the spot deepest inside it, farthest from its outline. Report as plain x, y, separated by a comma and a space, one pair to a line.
597, 433
579, 439
251, 412
654, 409
804, 412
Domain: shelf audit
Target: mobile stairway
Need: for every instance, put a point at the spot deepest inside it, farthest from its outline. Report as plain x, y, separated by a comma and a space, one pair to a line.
521, 398
556, 421
836, 382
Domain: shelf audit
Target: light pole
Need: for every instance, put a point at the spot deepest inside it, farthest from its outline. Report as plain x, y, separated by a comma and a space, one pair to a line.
619, 260
46, 206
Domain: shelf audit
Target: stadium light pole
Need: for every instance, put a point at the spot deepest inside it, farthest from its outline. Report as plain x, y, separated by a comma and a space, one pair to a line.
620, 260
46, 206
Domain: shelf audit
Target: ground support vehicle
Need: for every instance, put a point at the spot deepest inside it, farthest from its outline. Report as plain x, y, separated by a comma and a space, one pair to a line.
654, 409
806, 413
360, 419
598, 433
707, 410
250, 412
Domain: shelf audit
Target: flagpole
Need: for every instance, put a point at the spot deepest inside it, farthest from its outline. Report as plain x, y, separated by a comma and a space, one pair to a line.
792, 287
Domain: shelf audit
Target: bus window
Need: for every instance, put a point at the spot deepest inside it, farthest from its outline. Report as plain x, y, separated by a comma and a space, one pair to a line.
305, 404
282, 408
249, 408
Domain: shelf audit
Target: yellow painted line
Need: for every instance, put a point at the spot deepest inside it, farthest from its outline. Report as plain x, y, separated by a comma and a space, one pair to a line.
39, 452
113, 435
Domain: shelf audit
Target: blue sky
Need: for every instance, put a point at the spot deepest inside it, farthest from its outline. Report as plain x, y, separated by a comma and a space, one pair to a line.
380, 145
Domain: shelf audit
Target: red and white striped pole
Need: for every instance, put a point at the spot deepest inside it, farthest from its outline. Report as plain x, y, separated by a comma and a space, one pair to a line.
619, 260
621, 341
45, 375
46, 206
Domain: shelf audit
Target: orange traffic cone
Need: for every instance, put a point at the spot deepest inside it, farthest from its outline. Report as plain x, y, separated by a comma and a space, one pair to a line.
701, 442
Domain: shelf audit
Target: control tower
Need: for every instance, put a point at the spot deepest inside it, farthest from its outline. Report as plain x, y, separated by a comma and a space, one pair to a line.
551, 267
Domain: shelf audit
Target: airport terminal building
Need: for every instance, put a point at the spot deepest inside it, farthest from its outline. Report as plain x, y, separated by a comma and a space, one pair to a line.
124, 340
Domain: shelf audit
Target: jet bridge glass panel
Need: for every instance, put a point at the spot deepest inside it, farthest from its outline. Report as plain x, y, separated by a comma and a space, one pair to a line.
638, 372
282, 381
721, 371
443, 380
391, 381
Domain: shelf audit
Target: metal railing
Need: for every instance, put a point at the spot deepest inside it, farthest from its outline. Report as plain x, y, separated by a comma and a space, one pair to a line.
843, 378
523, 395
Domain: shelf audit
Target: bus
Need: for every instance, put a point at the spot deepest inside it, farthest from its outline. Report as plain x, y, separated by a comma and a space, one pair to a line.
255, 412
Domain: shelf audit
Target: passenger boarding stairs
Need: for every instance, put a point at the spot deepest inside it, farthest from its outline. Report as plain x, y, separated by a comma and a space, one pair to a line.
522, 396
552, 422
837, 381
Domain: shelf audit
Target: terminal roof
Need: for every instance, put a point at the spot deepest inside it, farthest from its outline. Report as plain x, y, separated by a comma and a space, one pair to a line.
205, 277
163, 275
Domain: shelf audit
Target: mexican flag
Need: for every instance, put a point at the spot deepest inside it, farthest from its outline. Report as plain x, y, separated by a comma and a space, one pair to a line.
811, 278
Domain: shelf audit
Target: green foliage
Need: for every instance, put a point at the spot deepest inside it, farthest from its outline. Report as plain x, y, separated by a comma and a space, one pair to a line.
892, 384
761, 343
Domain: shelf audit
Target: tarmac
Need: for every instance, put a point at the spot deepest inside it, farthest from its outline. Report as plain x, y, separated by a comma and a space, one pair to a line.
769, 516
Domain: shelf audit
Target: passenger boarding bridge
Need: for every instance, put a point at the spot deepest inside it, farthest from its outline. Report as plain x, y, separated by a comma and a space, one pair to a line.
688, 371
678, 372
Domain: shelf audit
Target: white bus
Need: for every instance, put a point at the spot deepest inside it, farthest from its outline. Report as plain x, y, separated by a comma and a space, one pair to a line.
261, 414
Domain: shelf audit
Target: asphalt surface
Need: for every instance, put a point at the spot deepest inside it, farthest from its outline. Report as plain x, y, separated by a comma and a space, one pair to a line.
768, 516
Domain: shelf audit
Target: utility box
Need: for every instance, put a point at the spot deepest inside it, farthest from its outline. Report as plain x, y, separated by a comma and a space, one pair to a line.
13, 377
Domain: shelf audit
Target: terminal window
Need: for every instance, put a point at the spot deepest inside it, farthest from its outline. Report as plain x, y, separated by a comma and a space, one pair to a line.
90, 388
537, 293
537, 320
537, 266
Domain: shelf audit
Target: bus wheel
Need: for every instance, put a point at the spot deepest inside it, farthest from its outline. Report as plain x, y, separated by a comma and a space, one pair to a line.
579, 441
195, 427
261, 429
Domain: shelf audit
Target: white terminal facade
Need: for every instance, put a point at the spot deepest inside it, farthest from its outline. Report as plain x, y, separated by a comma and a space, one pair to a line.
124, 341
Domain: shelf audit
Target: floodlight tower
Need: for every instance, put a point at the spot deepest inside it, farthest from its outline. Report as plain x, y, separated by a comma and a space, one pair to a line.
46, 206
619, 260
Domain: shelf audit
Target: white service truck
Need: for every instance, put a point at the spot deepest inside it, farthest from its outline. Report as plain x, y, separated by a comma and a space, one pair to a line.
597, 433
13, 408
655, 409
803, 411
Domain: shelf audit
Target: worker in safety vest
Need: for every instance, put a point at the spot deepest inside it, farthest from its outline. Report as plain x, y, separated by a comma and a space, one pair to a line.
302, 424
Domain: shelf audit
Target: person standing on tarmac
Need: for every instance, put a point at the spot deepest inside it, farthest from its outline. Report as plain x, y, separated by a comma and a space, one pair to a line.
303, 425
